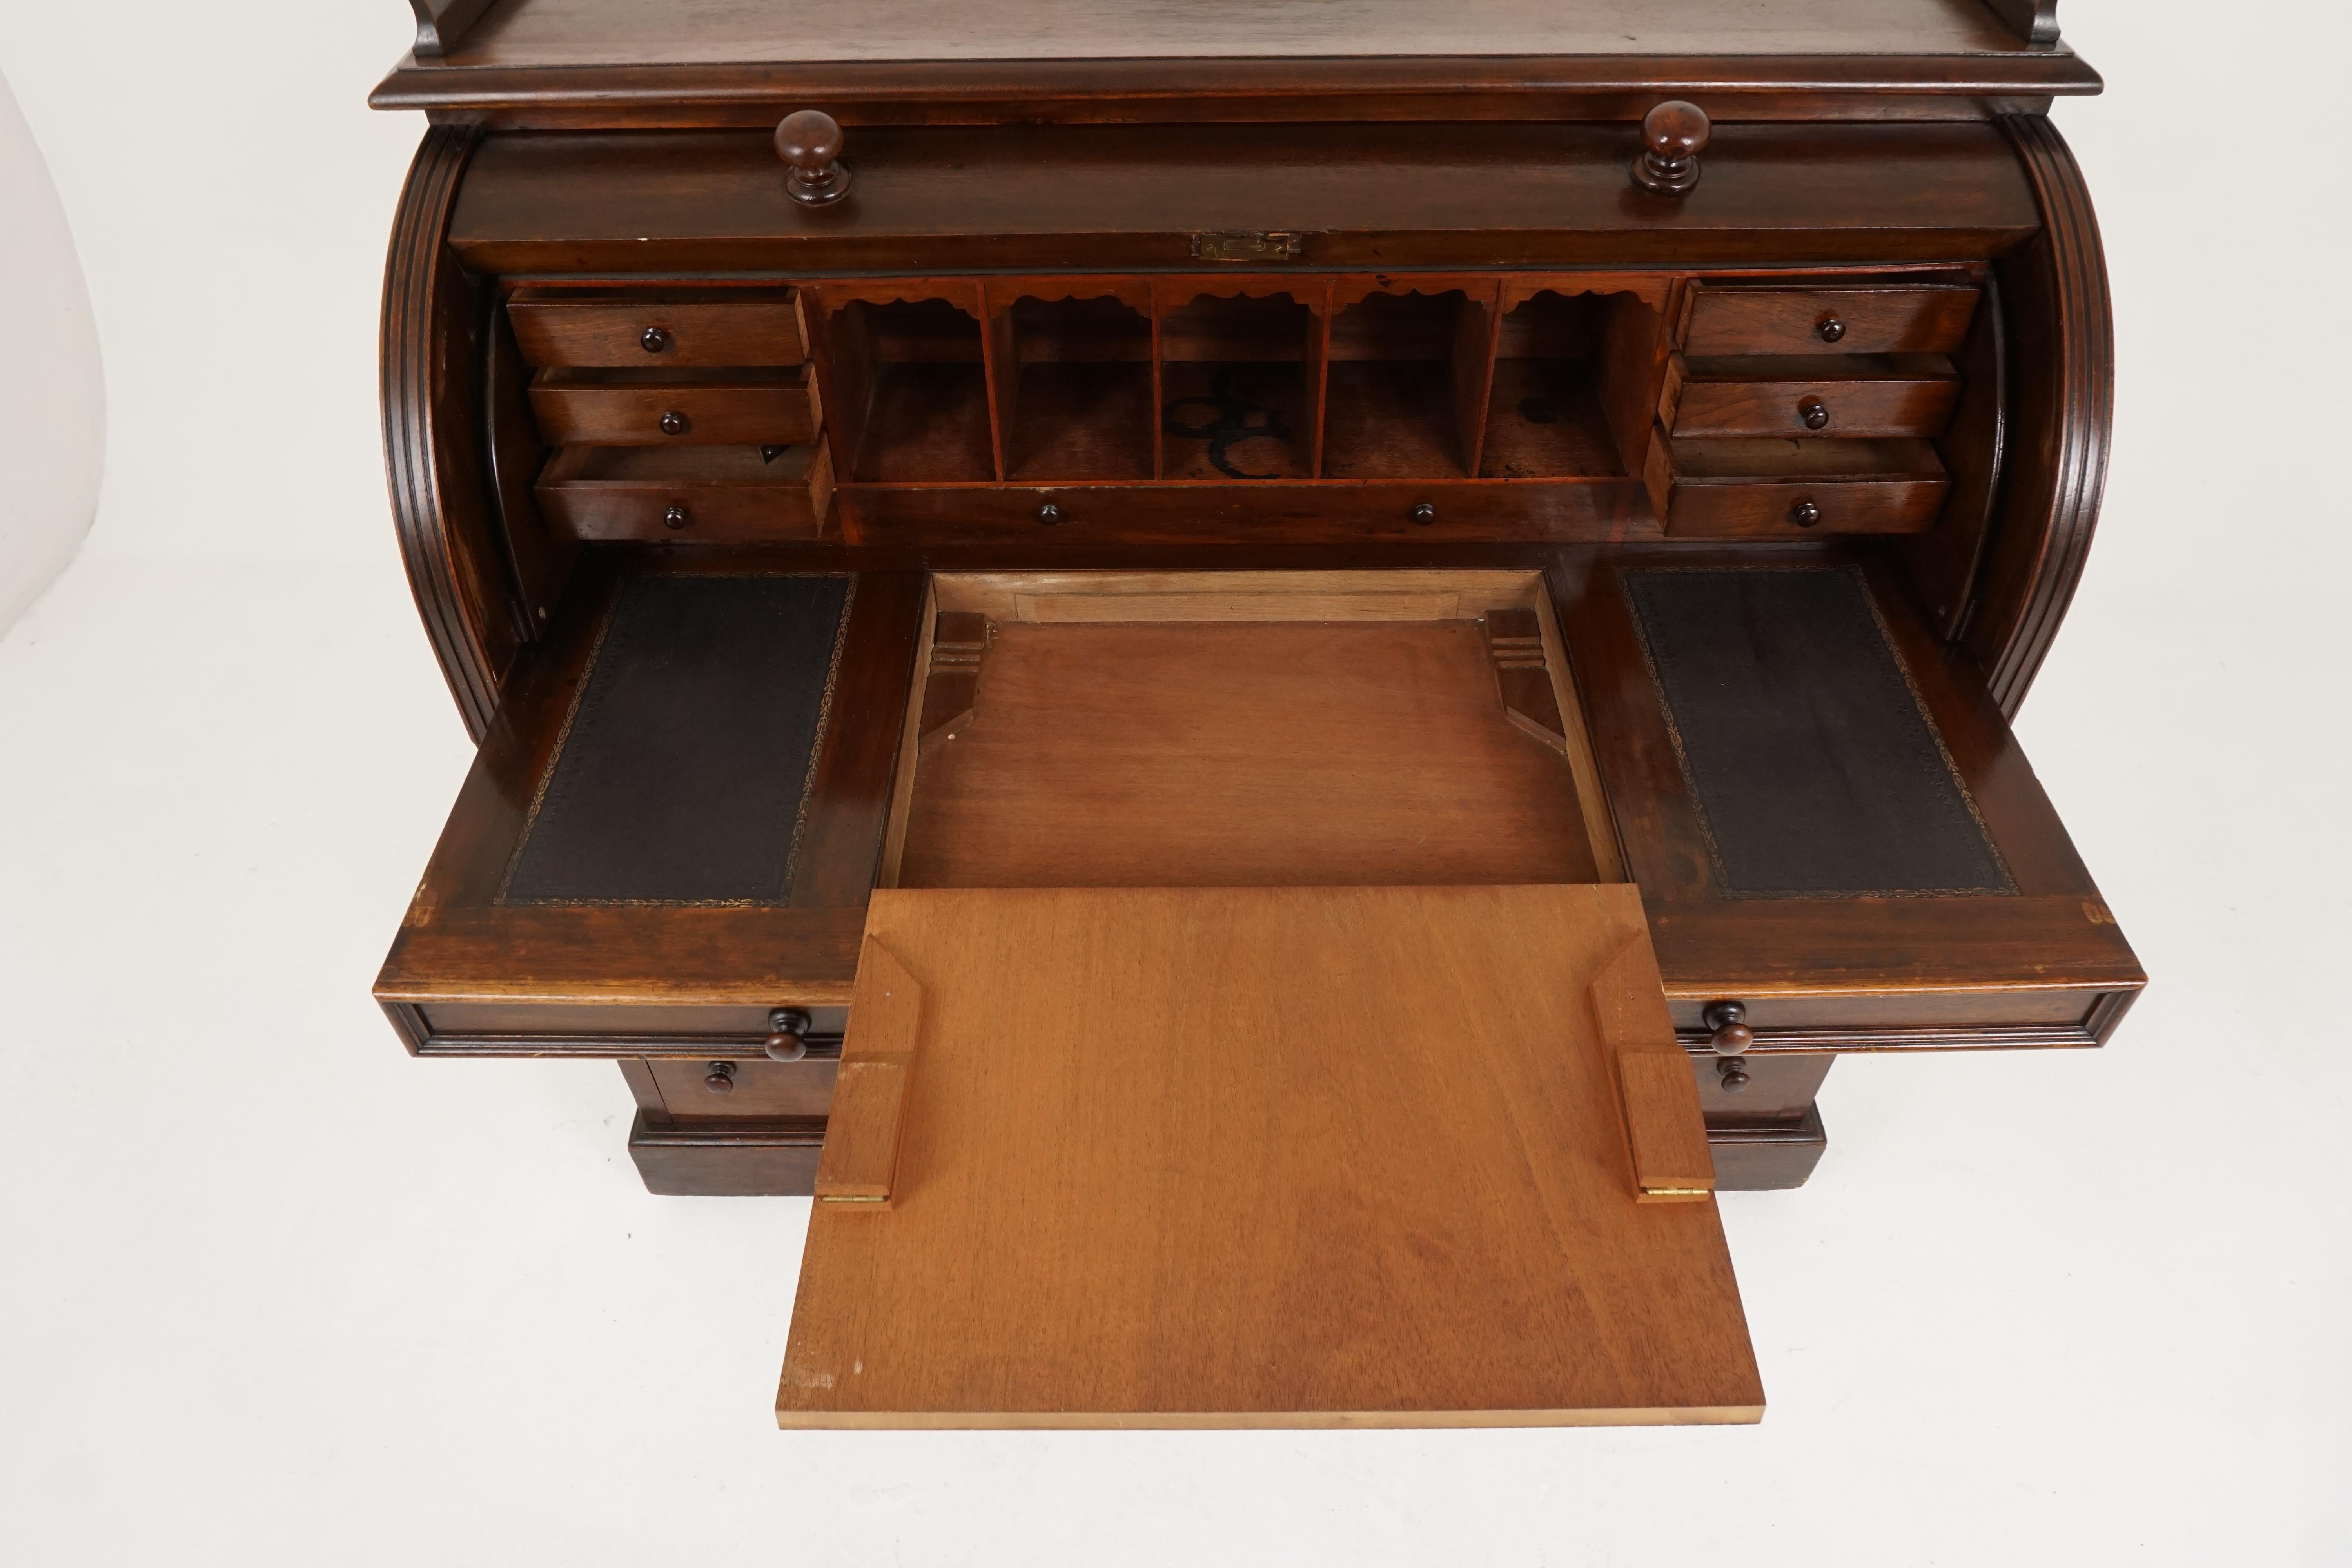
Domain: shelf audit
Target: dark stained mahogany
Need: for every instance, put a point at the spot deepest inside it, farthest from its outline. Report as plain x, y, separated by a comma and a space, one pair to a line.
550, 63
1119, 199
2062, 370
433, 319
1589, 292
809, 141
1673, 135
442, 24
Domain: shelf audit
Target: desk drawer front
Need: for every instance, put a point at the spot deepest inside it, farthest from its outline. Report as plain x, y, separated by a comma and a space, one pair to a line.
1783, 489
744, 408
753, 1088
1777, 509
560, 328
1855, 320
710, 495
1811, 398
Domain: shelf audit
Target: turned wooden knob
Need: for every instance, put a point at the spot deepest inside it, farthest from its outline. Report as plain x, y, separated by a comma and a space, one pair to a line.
1814, 412
1732, 1036
1424, 512
673, 422
1673, 134
810, 141
787, 1027
1049, 514
653, 340
1733, 1075
675, 517
1805, 514
721, 1079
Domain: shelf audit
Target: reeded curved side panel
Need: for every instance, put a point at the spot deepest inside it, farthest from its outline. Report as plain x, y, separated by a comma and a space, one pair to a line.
431, 442
2062, 341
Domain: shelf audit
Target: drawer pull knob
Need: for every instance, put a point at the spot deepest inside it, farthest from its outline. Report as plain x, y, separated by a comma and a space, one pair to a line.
675, 517
1673, 134
1805, 514
1830, 328
1424, 512
1733, 1074
810, 141
653, 340
673, 422
721, 1079
1732, 1036
1814, 412
787, 1031
1049, 514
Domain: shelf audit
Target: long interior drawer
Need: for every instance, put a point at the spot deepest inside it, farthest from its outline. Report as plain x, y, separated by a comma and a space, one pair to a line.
658, 407
714, 495
614, 328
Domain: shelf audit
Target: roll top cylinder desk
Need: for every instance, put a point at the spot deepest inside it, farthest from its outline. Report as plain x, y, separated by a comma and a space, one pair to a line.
1261, 684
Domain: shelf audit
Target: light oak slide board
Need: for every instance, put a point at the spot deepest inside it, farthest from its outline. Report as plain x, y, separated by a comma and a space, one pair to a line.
869, 1094
1263, 1157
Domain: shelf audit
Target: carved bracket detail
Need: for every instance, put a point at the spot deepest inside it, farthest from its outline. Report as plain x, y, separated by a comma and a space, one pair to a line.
441, 24
951, 687
2035, 21
1515, 644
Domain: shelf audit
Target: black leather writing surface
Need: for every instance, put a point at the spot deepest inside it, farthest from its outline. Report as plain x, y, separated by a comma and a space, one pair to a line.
683, 768
1815, 770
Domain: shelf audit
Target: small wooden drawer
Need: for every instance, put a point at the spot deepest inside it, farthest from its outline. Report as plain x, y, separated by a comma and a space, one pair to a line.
1758, 1088
1830, 396
1858, 319
753, 1088
619, 329
665, 408
1794, 489
714, 495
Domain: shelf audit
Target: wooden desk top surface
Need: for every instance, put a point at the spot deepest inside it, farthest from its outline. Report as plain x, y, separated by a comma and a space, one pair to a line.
573, 62
628, 32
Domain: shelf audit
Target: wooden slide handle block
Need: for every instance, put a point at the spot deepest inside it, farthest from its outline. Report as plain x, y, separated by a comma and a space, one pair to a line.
859, 1163
809, 141
1672, 136
1665, 1130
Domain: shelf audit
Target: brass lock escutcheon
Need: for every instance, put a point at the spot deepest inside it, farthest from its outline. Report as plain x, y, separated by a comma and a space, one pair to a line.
1249, 246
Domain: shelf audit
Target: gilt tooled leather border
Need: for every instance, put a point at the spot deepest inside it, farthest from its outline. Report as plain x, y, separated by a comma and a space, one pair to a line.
1942, 758
549, 789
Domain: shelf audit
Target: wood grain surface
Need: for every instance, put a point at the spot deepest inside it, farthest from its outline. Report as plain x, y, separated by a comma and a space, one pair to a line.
1242, 753
1065, 199
869, 1099
1148, 1176
1663, 1129
618, 32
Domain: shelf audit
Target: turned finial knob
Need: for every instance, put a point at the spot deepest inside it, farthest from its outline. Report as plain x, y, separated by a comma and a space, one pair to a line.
810, 141
787, 1030
1731, 1036
1673, 135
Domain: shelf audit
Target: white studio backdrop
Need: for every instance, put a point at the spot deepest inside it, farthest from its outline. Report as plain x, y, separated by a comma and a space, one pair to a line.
52, 394
270, 1292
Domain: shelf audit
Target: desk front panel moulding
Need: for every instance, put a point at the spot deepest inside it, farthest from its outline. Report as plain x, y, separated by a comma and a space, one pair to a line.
1135, 198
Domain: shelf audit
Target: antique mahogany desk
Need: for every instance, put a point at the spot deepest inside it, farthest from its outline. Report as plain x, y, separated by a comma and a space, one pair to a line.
1262, 681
